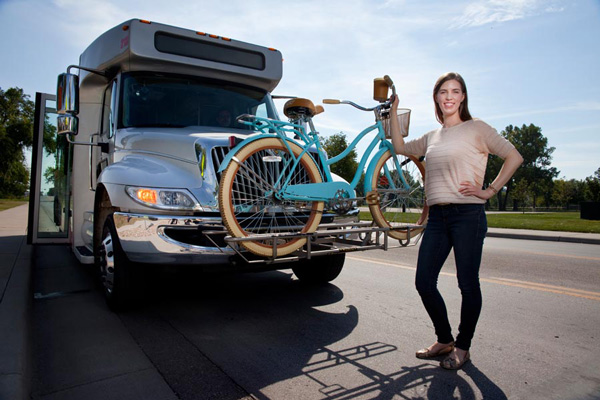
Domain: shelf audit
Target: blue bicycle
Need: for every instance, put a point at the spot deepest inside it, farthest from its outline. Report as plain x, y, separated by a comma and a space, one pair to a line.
276, 186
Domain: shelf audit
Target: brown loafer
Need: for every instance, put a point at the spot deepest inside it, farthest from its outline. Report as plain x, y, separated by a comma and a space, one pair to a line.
426, 353
451, 363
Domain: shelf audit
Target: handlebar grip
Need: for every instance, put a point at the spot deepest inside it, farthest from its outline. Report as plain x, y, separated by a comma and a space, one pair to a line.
331, 101
388, 80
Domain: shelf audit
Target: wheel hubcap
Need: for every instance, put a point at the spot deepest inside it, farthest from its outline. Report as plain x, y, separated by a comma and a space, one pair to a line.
107, 263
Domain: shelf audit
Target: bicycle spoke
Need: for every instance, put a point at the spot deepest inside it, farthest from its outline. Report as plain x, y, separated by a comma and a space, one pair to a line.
399, 184
253, 191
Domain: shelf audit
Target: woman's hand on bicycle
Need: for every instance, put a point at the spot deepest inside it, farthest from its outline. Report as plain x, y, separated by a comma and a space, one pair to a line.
394, 101
397, 139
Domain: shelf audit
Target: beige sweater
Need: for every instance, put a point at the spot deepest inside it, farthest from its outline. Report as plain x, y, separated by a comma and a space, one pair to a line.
454, 155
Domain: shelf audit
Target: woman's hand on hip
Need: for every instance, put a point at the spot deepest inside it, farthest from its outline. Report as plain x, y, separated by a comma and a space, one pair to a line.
468, 189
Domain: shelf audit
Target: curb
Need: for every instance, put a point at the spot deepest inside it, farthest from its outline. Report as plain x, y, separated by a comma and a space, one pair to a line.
15, 328
549, 238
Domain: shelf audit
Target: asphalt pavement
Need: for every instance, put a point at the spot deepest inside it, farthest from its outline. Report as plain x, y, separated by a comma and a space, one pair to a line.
16, 295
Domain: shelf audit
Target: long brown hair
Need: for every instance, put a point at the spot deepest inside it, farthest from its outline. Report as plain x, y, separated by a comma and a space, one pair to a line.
463, 109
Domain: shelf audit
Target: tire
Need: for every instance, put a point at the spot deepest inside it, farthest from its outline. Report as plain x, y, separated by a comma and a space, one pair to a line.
115, 270
319, 270
247, 197
397, 194
57, 211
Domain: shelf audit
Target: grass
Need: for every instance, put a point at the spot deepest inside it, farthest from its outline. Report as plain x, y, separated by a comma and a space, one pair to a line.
555, 221
549, 221
5, 204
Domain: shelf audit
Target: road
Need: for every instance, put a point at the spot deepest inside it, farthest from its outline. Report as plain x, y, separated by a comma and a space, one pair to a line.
268, 336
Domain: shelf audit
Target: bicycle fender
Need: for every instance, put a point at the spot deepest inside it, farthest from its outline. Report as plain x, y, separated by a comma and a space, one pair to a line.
371, 167
229, 155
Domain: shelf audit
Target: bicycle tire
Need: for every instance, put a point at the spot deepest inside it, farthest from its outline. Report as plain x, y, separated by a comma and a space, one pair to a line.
393, 203
248, 204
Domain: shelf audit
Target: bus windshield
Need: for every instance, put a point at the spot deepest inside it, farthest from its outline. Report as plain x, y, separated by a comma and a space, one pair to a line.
159, 100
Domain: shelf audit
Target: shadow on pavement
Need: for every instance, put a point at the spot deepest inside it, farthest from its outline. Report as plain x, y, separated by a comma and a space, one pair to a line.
421, 381
222, 336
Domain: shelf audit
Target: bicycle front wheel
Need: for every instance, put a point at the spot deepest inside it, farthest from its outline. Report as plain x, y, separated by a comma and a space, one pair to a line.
249, 196
397, 196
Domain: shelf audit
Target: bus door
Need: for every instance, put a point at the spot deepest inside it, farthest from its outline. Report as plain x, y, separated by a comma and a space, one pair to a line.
51, 167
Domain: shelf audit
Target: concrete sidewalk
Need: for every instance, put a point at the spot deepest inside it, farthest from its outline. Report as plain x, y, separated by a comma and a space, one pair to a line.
15, 304
553, 236
16, 294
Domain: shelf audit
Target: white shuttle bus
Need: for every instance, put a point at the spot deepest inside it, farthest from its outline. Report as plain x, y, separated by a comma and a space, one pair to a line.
148, 113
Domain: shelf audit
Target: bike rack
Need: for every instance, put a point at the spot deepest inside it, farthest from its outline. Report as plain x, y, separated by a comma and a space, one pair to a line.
332, 238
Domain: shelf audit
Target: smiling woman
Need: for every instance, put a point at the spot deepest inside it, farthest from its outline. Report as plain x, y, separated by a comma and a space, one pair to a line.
456, 156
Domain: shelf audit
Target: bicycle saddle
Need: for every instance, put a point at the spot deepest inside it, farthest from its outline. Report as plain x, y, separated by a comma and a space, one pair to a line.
295, 107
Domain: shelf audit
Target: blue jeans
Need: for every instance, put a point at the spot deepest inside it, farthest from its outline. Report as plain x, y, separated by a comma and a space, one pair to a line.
462, 227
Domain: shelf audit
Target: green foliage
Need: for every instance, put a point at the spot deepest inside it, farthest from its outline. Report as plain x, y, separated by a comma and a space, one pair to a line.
563, 191
336, 144
592, 187
522, 193
537, 157
536, 169
16, 134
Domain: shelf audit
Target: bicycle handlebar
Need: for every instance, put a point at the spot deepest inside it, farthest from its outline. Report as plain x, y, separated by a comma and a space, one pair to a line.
386, 104
390, 83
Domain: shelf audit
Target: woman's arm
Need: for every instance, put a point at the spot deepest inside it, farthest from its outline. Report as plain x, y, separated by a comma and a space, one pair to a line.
397, 139
510, 165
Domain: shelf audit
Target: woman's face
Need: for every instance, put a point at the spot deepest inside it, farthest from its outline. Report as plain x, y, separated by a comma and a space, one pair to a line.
449, 98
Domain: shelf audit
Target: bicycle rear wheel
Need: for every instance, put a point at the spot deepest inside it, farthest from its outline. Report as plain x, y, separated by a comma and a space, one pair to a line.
397, 196
248, 196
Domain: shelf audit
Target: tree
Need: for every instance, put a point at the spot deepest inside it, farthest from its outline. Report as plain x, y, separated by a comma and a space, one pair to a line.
592, 187
536, 169
521, 193
563, 191
336, 144
16, 134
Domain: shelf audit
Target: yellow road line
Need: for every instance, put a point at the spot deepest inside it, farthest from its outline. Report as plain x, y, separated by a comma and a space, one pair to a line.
544, 285
534, 286
562, 255
503, 281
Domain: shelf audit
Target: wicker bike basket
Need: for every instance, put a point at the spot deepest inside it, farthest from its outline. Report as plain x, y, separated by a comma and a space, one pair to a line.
403, 116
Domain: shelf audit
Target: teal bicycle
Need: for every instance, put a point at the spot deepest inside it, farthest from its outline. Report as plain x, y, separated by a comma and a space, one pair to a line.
276, 186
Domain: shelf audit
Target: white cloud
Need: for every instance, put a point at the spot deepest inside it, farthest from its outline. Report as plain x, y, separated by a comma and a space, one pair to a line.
580, 106
499, 11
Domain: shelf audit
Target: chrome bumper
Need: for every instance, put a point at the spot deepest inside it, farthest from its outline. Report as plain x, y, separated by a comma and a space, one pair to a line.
167, 239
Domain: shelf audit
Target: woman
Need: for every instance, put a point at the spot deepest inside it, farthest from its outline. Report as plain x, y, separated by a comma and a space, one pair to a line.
456, 158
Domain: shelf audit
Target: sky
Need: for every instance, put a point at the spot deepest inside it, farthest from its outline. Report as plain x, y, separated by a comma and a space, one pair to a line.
524, 61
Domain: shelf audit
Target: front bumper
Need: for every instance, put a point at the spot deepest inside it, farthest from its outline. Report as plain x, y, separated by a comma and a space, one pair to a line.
167, 239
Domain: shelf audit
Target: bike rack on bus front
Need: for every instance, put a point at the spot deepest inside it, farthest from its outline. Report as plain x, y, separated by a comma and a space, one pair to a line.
327, 239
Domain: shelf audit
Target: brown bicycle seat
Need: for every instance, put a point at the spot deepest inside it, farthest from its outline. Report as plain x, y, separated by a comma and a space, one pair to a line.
298, 106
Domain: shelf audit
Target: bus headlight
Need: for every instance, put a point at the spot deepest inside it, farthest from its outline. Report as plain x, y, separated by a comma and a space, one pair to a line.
165, 199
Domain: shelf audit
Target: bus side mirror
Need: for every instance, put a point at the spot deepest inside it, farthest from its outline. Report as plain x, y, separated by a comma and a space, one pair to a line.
67, 124
67, 94
67, 103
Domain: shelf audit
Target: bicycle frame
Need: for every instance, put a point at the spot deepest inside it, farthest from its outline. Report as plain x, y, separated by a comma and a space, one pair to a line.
328, 189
